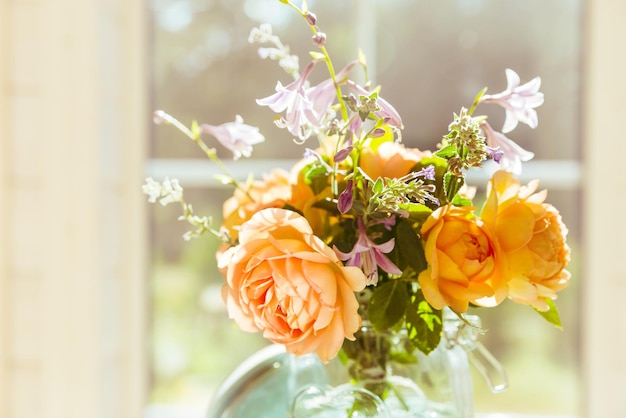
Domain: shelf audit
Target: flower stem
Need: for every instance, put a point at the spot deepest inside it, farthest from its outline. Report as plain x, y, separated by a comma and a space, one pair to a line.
333, 77
194, 135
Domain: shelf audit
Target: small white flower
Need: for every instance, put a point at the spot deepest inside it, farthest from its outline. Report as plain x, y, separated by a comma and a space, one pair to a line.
152, 188
261, 34
171, 191
290, 64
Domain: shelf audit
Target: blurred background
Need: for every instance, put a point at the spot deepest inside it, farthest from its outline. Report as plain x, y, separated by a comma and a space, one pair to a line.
105, 311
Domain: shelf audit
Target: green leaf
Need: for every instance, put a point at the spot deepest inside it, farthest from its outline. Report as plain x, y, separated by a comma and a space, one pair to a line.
326, 204
287, 206
461, 201
476, 101
417, 211
316, 55
551, 315
452, 184
361, 58
316, 176
447, 152
423, 323
388, 304
408, 248
378, 185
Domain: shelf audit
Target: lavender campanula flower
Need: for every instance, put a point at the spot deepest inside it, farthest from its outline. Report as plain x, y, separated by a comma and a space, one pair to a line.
518, 101
496, 154
310, 153
368, 255
324, 94
300, 115
428, 173
235, 136
510, 154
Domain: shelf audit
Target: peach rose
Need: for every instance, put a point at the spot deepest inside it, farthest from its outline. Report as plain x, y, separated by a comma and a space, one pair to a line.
284, 281
390, 160
273, 191
463, 260
532, 237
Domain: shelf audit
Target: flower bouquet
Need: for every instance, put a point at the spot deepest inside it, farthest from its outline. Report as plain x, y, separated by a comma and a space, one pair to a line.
364, 236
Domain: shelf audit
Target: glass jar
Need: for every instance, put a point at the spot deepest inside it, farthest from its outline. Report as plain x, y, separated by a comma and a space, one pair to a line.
377, 376
272, 383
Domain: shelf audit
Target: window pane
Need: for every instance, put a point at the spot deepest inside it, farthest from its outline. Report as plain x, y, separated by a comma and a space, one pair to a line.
431, 58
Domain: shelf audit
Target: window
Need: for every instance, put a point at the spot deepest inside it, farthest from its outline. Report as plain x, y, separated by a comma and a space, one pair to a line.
430, 58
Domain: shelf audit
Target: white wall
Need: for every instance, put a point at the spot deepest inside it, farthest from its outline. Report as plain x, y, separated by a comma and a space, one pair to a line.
604, 153
73, 123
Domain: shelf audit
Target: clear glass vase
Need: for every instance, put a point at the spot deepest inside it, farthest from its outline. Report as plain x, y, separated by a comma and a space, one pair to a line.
377, 377
375, 383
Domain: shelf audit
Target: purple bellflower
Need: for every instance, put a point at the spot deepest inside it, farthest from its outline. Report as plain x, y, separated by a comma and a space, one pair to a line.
518, 101
509, 155
235, 136
300, 116
368, 256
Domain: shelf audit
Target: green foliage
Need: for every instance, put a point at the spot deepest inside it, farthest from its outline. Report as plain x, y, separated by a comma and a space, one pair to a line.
378, 186
408, 251
461, 201
447, 152
452, 184
396, 302
388, 304
316, 176
423, 323
551, 315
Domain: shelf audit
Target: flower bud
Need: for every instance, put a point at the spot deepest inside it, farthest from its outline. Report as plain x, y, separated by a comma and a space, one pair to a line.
377, 133
159, 117
344, 202
310, 18
342, 154
319, 39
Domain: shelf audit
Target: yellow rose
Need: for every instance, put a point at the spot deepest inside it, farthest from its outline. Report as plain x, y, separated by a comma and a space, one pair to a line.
303, 199
463, 261
273, 191
532, 236
284, 281
390, 160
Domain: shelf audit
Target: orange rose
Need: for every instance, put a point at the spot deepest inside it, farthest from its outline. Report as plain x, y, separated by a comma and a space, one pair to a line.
303, 199
532, 236
463, 260
284, 281
389, 159
271, 192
